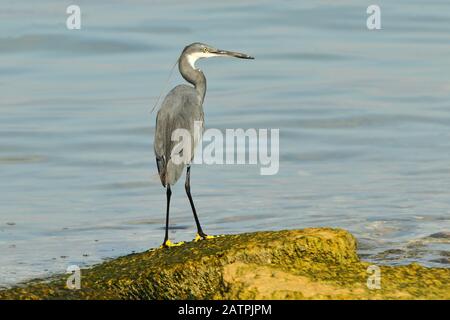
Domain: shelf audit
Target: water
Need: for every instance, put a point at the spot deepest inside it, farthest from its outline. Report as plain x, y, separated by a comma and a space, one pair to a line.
364, 122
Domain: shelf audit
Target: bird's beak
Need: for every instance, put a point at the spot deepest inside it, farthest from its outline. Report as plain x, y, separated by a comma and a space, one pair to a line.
232, 54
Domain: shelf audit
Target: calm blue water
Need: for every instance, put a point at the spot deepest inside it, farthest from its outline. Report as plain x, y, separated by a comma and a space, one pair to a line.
364, 121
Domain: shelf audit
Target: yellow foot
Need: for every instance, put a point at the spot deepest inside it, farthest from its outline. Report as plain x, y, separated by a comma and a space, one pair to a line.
204, 237
168, 244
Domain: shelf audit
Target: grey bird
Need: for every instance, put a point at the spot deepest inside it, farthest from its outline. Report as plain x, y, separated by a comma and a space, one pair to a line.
181, 109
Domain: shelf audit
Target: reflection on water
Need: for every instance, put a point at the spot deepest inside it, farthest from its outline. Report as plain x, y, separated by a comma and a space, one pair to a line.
364, 126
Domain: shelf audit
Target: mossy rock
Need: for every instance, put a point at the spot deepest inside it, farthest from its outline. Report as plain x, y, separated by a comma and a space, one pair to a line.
315, 263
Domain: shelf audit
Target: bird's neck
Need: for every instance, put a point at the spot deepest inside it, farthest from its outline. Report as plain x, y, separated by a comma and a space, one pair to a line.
193, 75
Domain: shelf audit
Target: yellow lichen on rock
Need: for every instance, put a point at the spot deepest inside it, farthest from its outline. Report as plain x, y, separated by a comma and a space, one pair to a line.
315, 263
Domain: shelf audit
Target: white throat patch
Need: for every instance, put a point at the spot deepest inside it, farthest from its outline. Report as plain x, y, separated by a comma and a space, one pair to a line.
193, 57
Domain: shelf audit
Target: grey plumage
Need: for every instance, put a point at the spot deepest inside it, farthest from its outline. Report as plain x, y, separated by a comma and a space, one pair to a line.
181, 108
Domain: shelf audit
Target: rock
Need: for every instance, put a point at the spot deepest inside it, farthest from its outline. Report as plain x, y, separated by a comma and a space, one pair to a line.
316, 263
442, 260
441, 235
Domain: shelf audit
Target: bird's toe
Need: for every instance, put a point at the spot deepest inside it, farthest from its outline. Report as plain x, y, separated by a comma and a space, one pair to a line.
203, 236
168, 244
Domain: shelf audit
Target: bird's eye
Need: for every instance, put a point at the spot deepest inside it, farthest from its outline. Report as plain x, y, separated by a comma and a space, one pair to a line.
205, 50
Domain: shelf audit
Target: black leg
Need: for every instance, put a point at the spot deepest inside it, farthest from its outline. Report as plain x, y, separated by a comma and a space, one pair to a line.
188, 192
168, 193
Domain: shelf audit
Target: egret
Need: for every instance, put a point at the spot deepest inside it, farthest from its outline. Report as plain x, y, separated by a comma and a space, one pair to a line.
181, 109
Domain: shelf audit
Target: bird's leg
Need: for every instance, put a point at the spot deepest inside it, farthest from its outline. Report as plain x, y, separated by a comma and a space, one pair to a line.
168, 194
167, 243
200, 234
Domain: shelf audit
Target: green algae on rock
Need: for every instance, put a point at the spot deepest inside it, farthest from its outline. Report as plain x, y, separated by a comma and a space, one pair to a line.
314, 263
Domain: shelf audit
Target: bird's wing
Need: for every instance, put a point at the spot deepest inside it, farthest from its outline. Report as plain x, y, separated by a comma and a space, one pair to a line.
179, 110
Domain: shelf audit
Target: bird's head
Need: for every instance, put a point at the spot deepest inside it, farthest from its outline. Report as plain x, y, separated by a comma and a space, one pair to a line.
198, 50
